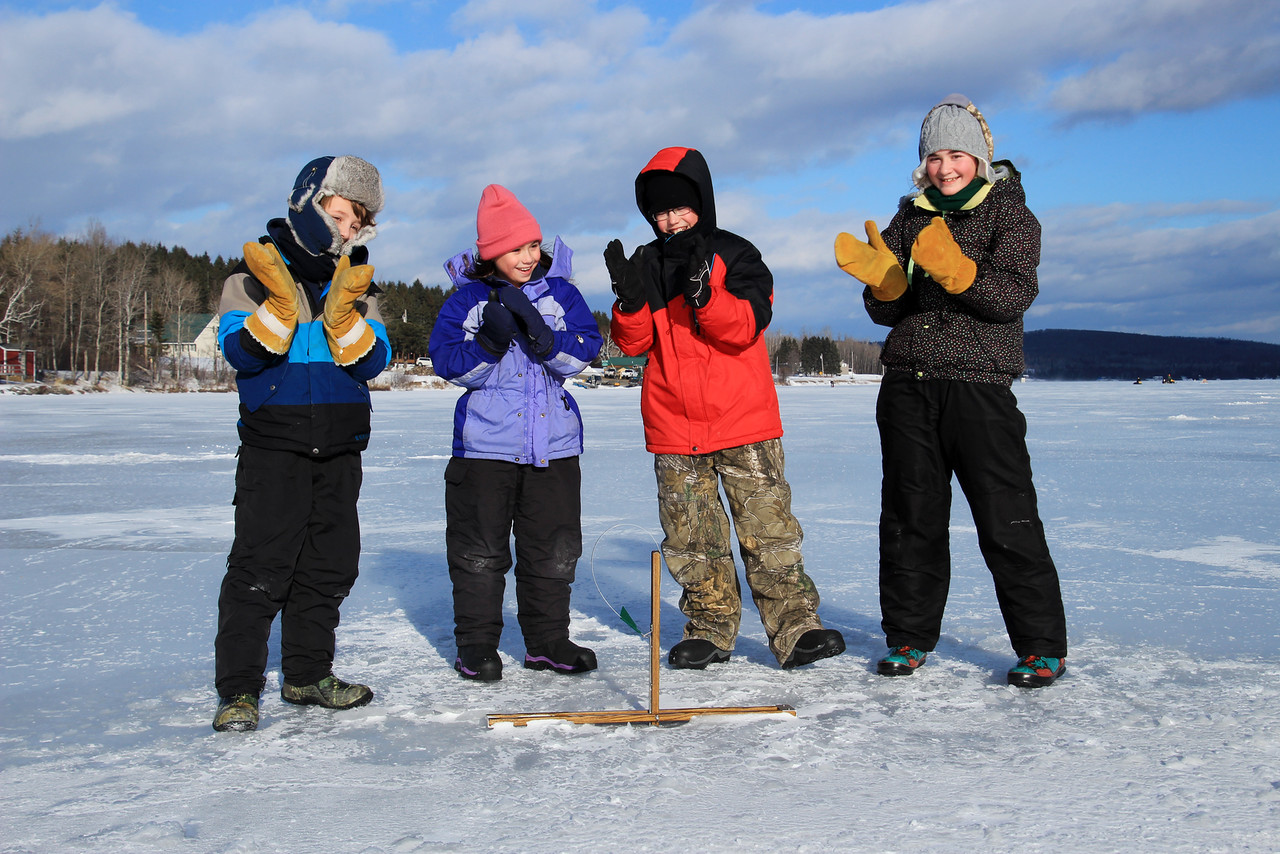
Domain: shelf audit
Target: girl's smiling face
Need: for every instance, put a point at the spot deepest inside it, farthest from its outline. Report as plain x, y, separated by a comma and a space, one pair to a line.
950, 171
517, 266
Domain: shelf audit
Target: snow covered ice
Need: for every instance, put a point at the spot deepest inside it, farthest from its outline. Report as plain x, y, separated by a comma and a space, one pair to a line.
1160, 503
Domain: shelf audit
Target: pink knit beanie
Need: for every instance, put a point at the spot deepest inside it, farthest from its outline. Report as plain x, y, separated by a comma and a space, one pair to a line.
502, 223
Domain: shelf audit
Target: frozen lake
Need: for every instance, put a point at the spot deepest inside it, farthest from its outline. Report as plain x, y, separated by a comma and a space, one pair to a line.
1160, 504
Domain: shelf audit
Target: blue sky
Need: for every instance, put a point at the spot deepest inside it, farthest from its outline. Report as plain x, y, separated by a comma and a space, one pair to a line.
1144, 130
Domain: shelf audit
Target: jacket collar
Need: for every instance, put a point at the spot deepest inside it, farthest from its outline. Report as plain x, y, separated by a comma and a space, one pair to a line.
561, 266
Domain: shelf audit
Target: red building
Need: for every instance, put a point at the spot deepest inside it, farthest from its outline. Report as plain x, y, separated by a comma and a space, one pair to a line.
17, 365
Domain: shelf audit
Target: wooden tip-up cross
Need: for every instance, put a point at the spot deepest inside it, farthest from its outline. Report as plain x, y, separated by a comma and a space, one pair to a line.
654, 715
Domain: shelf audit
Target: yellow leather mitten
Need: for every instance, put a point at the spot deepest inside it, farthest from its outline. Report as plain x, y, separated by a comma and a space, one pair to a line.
936, 252
275, 321
871, 263
350, 337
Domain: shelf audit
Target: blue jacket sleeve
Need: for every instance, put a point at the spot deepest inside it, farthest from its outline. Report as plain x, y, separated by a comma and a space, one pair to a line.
580, 341
455, 354
377, 359
238, 347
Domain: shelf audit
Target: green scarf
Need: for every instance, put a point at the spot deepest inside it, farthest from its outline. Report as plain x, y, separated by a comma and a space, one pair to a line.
957, 201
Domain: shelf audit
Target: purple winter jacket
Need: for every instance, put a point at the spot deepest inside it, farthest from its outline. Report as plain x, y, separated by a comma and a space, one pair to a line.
516, 407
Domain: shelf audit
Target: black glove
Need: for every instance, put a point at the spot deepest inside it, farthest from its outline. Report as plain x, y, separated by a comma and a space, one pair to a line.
624, 276
498, 327
697, 271
541, 339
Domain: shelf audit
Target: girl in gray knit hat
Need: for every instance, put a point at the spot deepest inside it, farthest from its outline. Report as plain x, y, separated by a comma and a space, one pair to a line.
952, 276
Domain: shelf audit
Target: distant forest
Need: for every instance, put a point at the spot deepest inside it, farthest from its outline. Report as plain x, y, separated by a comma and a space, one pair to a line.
1079, 354
97, 304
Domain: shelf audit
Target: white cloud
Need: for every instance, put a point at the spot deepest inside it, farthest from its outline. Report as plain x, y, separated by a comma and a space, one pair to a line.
1145, 274
194, 139
1191, 71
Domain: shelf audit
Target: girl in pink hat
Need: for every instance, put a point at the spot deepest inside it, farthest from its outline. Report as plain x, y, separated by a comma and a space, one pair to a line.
511, 333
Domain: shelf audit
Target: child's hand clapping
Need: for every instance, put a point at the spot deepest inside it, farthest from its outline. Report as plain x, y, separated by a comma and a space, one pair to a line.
938, 254
871, 263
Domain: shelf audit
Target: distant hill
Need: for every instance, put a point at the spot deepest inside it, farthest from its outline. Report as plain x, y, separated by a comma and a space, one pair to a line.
1081, 354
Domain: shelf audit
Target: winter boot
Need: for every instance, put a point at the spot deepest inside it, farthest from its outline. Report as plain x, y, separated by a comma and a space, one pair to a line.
1036, 671
695, 654
236, 713
901, 661
813, 645
479, 662
330, 692
562, 656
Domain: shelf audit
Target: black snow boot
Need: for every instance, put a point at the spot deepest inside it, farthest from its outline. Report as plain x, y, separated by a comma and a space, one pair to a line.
560, 656
695, 654
479, 662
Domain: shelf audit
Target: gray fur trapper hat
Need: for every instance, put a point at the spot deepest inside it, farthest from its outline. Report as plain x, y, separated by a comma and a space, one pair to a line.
954, 124
352, 178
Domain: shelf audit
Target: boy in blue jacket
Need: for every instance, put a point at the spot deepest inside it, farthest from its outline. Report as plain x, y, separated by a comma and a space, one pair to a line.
300, 324
511, 334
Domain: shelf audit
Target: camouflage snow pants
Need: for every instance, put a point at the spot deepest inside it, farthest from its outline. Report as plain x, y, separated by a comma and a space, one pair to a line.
700, 556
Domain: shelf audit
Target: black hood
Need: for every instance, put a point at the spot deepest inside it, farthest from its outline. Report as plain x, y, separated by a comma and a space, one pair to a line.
689, 164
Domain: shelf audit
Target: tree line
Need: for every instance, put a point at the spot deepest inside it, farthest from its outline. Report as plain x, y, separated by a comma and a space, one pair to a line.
821, 355
94, 304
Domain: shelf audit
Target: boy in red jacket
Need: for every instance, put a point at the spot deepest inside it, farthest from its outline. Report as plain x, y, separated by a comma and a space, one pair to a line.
697, 299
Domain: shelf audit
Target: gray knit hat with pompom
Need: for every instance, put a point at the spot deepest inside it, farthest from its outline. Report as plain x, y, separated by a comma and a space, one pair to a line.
954, 124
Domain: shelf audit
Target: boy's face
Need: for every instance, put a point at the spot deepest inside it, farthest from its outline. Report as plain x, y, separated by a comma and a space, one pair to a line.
676, 220
517, 266
344, 215
950, 171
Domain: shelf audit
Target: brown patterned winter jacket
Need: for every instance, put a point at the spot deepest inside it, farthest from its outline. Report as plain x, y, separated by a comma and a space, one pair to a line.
974, 336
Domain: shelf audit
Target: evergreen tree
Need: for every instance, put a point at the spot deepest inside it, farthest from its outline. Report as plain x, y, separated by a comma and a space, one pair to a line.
786, 357
410, 313
818, 355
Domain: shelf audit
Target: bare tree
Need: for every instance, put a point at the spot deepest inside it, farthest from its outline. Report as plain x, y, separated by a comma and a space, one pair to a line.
609, 349
175, 297
862, 357
127, 293
63, 314
91, 278
24, 267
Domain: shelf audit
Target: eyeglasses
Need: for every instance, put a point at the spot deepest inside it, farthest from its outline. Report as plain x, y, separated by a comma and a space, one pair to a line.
659, 216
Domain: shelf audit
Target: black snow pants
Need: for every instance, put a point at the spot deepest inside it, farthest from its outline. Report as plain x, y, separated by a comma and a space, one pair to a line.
296, 553
486, 501
930, 430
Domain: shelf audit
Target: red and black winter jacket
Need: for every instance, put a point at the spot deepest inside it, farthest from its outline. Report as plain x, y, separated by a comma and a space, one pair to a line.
708, 385
976, 335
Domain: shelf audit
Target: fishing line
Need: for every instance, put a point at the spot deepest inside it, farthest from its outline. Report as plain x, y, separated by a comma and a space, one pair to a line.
622, 615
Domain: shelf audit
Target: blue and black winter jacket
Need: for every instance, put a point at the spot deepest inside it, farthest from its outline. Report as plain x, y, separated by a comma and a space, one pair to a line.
300, 401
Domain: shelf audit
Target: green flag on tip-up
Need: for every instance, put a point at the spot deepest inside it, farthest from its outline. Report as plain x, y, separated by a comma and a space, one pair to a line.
626, 618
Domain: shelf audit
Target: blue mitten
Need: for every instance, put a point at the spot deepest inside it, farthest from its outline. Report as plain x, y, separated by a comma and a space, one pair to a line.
498, 327
541, 339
